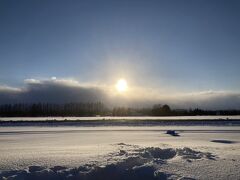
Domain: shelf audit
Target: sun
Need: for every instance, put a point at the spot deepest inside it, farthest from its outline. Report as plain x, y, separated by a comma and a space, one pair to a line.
121, 85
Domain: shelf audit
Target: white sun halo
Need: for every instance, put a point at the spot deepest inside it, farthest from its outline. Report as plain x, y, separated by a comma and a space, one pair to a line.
121, 85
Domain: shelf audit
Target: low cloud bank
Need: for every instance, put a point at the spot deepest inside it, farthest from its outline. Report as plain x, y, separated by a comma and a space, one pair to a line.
66, 90
209, 100
51, 91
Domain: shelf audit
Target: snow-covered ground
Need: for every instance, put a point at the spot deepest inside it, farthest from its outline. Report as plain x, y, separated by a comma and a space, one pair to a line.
120, 152
124, 117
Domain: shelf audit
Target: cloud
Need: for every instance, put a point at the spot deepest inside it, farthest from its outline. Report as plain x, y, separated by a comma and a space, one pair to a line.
52, 91
9, 94
209, 100
56, 90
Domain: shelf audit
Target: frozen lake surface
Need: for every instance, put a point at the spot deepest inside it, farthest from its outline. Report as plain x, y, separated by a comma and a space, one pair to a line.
120, 152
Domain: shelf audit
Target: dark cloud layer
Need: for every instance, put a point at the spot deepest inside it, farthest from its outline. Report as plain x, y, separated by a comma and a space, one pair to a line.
52, 91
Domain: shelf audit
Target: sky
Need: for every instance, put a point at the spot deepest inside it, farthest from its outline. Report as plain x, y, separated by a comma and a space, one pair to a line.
185, 53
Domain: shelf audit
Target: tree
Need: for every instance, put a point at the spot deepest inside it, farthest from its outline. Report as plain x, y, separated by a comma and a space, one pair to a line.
159, 110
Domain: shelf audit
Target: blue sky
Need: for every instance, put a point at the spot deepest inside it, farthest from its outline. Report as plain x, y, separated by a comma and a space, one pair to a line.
184, 46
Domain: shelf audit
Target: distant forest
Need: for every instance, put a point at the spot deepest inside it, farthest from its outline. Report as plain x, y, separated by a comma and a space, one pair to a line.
99, 109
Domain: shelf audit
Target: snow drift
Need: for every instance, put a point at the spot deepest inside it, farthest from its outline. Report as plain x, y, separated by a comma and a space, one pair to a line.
129, 162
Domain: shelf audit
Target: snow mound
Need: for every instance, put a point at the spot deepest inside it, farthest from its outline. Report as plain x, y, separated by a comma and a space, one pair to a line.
130, 162
187, 153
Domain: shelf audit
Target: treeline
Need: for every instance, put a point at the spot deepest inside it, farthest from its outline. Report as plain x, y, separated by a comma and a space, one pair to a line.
99, 109
165, 110
47, 109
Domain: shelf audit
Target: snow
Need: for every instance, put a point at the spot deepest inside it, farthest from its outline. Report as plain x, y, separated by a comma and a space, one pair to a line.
237, 117
120, 152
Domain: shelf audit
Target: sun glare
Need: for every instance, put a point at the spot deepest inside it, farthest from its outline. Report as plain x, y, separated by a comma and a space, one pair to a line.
121, 85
